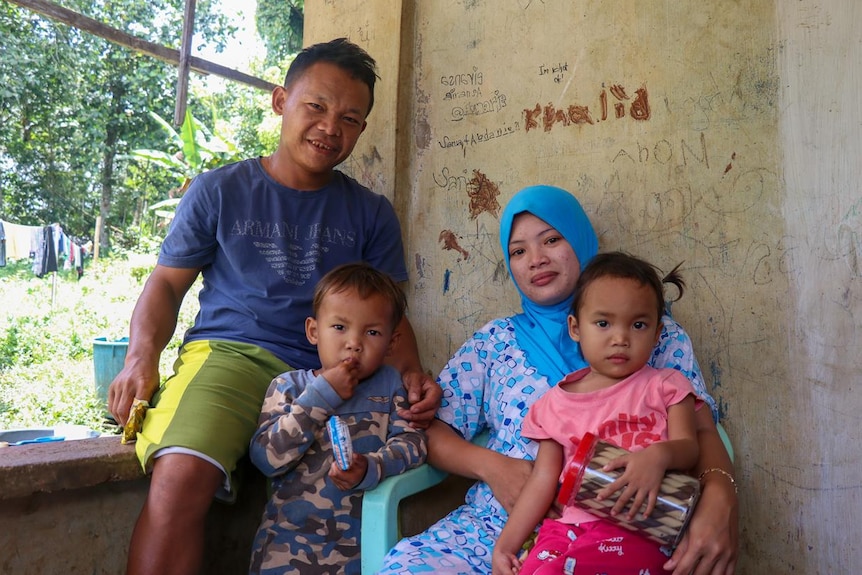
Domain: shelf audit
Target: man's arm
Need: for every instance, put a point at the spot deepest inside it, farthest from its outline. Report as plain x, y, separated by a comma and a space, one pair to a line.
423, 393
150, 329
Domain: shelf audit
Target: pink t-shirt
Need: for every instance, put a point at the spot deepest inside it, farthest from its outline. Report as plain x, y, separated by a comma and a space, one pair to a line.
631, 414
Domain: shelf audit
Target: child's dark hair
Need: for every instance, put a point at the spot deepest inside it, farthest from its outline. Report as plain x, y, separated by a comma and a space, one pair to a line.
366, 282
344, 54
626, 266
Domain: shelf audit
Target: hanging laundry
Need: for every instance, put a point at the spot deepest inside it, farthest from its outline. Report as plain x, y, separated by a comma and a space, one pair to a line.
46, 258
59, 241
48, 247
2, 245
80, 252
37, 253
75, 259
20, 240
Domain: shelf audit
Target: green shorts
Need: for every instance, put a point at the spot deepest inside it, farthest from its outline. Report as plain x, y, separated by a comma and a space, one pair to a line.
210, 406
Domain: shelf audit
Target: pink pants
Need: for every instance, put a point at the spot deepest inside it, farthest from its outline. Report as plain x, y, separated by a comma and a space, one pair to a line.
597, 547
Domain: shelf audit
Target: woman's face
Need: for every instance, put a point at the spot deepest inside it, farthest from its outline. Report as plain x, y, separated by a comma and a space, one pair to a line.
543, 263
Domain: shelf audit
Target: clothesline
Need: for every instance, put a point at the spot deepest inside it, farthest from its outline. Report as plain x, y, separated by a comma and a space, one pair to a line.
44, 246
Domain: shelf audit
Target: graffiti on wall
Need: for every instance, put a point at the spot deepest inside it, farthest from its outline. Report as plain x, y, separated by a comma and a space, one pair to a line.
550, 116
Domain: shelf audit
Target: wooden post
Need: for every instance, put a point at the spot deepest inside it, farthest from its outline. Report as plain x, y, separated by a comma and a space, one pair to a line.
183, 69
96, 237
170, 55
53, 289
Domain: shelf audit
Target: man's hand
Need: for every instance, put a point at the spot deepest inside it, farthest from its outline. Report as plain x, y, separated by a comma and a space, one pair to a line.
151, 327
137, 380
423, 395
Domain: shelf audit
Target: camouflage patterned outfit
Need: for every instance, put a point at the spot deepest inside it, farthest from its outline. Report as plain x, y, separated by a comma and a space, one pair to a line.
310, 526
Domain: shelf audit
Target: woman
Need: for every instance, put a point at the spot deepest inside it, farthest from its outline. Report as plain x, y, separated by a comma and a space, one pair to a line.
498, 373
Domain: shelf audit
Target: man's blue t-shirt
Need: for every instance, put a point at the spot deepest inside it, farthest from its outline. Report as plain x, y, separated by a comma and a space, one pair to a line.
263, 247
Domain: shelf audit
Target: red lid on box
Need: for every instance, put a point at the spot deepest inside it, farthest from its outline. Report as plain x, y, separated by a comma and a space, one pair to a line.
573, 472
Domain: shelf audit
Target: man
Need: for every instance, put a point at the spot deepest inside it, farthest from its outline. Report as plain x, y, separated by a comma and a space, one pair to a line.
262, 232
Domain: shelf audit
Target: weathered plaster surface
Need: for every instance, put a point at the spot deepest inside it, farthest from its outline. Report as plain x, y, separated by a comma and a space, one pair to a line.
747, 169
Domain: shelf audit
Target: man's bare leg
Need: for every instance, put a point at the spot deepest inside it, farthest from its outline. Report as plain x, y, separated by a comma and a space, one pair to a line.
169, 535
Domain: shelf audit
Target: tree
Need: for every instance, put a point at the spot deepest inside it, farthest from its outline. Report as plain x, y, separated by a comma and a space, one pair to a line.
280, 24
39, 100
73, 104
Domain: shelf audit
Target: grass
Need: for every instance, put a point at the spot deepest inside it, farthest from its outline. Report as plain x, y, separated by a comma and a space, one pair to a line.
47, 328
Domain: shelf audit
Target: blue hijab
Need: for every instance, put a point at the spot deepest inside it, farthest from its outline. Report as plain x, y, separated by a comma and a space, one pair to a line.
542, 330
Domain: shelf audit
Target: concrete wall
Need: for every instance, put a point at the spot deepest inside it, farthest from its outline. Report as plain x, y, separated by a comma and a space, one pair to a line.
736, 150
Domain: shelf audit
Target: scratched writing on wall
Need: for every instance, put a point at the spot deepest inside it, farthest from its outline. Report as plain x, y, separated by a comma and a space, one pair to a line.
556, 71
493, 104
475, 138
549, 116
481, 190
466, 90
463, 85
663, 152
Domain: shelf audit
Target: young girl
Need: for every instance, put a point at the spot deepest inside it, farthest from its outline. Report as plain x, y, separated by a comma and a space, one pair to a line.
615, 318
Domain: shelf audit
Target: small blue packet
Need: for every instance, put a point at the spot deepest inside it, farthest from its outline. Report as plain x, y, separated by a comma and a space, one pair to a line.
342, 445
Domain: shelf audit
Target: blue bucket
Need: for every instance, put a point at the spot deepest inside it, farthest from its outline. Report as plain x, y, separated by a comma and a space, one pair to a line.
108, 360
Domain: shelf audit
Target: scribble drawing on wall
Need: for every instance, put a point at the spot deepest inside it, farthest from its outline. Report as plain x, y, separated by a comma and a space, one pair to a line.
450, 242
483, 195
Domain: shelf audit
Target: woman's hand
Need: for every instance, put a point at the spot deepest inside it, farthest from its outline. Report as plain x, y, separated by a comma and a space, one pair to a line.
709, 546
504, 563
450, 452
506, 476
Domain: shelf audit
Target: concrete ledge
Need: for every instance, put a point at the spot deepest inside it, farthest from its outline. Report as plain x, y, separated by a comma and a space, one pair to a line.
70, 507
65, 465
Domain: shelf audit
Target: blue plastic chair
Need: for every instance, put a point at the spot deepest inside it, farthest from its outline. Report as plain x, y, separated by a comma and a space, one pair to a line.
380, 521
726, 440
381, 528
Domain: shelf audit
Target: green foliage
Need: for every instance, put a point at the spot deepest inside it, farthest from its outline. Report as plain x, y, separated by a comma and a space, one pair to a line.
75, 102
191, 151
194, 149
46, 339
72, 108
74, 105
280, 24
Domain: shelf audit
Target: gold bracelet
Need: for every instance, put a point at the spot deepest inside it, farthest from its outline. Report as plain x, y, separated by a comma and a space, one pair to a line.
721, 471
